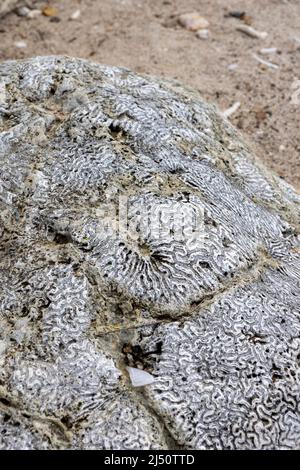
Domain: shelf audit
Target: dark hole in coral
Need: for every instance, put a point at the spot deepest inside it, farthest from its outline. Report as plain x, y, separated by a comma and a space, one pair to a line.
115, 129
276, 376
45, 302
137, 349
66, 421
204, 264
127, 348
287, 233
226, 242
176, 171
4, 401
197, 302
209, 221
134, 350
118, 310
86, 247
25, 310
62, 238
158, 257
6, 418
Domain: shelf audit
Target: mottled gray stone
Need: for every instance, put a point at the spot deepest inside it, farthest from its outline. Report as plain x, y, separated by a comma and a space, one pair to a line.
214, 317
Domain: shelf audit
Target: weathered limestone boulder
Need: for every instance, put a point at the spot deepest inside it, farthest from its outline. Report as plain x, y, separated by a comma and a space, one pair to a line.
137, 229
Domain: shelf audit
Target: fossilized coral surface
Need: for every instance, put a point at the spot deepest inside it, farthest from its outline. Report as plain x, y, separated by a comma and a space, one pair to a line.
212, 315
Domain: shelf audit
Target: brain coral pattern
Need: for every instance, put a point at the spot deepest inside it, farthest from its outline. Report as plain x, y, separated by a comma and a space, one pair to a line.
212, 315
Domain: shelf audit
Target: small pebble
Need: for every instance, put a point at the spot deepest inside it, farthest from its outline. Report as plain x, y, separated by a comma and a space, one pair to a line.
75, 15
248, 20
237, 14
21, 44
50, 11
193, 21
268, 50
55, 19
265, 62
202, 33
232, 66
228, 112
253, 33
241, 15
23, 11
34, 14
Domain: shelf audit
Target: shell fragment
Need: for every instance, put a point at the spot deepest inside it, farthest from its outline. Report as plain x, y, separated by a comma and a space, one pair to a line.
139, 377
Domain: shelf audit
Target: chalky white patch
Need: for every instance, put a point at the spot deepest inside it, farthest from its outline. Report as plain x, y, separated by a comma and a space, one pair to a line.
140, 378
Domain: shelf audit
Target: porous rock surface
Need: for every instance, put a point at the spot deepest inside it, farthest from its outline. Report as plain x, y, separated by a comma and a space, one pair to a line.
214, 319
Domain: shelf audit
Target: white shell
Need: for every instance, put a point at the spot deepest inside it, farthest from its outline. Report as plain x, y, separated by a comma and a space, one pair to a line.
139, 377
231, 110
252, 32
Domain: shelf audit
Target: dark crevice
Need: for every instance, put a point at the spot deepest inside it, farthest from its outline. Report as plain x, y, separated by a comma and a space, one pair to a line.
170, 440
115, 130
5, 402
62, 238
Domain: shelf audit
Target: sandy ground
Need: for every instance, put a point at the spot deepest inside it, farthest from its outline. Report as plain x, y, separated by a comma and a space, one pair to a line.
145, 36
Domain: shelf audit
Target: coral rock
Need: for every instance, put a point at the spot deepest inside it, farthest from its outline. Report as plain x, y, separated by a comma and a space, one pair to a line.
96, 165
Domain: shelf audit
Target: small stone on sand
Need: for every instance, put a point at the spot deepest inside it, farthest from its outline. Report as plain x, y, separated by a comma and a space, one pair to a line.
50, 11
193, 21
202, 33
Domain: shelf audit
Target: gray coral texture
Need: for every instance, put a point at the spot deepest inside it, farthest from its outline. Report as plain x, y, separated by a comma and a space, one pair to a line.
211, 313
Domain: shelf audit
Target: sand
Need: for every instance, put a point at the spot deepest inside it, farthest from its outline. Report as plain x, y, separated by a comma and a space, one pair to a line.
145, 36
